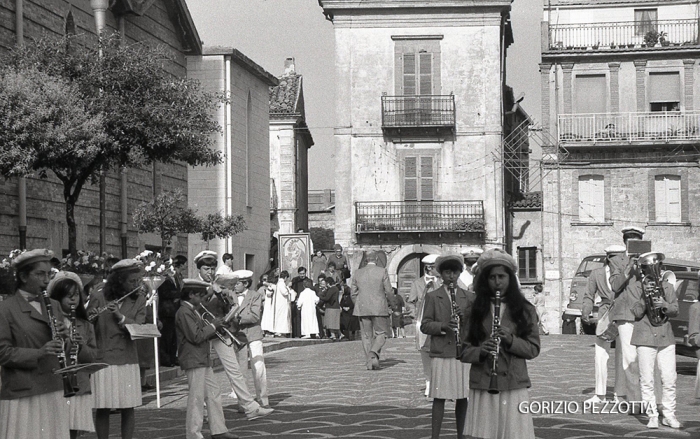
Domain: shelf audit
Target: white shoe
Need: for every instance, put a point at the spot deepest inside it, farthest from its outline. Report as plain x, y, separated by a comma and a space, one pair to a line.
427, 388
653, 422
594, 400
671, 421
233, 395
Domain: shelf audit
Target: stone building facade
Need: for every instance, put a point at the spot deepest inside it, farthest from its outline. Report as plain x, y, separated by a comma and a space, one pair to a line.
290, 141
160, 22
240, 185
620, 97
419, 105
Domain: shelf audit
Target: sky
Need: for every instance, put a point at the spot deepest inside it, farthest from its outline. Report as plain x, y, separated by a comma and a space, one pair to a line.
269, 31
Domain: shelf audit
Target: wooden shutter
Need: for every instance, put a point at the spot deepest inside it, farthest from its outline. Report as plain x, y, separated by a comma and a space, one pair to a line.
409, 74
591, 92
410, 179
426, 178
668, 198
591, 199
426, 73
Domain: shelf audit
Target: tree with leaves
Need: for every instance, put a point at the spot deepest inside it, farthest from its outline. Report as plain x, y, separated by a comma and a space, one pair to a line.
167, 215
76, 109
216, 225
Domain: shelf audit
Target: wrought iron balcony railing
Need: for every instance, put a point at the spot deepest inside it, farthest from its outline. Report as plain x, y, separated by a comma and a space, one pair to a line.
418, 111
629, 127
419, 216
622, 35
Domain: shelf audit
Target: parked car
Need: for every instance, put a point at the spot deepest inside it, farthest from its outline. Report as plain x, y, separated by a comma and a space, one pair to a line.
687, 293
579, 284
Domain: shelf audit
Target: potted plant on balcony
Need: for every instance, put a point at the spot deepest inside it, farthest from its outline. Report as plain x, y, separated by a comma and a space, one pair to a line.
662, 39
596, 46
612, 45
651, 38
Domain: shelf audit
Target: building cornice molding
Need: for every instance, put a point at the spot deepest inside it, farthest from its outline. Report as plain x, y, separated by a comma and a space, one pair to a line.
482, 18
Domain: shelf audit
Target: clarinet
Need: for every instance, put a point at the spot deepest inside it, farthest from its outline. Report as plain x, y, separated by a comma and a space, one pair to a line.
74, 348
456, 318
493, 384
68, 389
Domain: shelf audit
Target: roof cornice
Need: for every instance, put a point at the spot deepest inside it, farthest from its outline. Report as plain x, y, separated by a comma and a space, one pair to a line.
239, 58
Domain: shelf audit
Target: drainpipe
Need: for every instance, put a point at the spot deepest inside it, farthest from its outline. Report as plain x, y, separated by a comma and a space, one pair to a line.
99, 8
124, 235
22, 183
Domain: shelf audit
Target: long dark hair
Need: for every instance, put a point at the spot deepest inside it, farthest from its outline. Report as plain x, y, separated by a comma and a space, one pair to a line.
482, 307
113, 288
66, 286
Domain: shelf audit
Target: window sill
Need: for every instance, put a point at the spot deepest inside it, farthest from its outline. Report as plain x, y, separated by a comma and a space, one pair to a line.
654, 223
529, 281
581, 223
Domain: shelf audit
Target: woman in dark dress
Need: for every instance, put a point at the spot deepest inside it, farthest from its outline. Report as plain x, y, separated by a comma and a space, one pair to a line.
349, 324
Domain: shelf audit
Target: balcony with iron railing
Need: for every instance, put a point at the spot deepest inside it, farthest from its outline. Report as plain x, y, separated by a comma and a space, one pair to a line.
422, 114
626, 128
622, 35
419, 216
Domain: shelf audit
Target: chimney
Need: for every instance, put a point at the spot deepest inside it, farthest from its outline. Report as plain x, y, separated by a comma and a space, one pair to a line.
289, 67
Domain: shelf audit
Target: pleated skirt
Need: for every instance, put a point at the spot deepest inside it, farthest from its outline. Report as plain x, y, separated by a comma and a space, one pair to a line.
35, 417
80, 412
497, 416
117, 387
449, 378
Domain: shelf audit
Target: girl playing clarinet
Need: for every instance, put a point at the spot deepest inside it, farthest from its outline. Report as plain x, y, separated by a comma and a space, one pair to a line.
442, 315
493, 412
119, 385
67, 289
32, 402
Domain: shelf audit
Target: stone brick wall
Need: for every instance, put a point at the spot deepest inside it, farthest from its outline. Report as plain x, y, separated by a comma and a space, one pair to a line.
46, 225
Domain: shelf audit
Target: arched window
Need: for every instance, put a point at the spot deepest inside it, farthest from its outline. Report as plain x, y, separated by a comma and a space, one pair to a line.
69, 26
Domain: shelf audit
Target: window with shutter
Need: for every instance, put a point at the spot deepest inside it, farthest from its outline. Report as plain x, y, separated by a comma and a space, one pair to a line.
426, 179
425, 69
409, 74
591, 197
419, 178
527, 263
668, 198
410, 192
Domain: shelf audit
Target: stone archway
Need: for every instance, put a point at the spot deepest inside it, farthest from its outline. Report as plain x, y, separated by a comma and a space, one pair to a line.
395, 258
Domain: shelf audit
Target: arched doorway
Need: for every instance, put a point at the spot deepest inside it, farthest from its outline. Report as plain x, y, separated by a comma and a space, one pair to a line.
410, 269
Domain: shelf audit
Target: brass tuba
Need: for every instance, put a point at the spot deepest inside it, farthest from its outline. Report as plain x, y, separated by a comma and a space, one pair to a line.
652, 282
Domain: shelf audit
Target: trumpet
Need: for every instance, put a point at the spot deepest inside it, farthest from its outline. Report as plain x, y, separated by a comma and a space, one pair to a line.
68, 389
493, 383
97, 311
222, 333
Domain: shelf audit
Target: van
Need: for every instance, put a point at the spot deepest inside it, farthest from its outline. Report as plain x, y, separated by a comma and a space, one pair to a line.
579, 283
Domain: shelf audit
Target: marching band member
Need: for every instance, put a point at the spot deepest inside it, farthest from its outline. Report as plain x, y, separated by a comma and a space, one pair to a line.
193, 335
627, 287
248, 318
67, 289
694, 339
599, 284
206, 262
470, 255
441, 320
119, 385
656, 346
515, 340
419, 288
32, 404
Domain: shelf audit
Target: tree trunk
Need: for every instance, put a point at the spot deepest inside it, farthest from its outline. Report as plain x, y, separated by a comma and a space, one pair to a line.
72, 231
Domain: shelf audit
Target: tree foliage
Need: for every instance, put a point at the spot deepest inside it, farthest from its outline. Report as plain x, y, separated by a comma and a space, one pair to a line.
77, 109
215, 225
167, 215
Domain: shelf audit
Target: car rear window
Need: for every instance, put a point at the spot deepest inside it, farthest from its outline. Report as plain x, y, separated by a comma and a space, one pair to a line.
589, 264
691, 291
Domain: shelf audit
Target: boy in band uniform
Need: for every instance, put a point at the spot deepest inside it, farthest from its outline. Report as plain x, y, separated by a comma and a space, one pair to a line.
193, 353
599, 284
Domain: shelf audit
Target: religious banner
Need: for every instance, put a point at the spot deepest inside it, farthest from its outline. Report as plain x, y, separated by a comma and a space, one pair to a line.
294, 252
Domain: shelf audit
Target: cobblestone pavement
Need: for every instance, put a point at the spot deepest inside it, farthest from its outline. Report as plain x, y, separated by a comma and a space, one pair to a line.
324, 391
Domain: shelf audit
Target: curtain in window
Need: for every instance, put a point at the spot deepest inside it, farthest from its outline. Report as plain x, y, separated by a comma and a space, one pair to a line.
668, 198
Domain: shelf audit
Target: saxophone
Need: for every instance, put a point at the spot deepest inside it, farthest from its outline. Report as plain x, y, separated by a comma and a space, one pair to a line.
68, 389
74, 348
493, 384
456, 318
